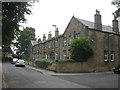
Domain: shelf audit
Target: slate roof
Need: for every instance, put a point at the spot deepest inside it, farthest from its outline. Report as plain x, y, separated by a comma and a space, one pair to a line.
91, 25
33, 42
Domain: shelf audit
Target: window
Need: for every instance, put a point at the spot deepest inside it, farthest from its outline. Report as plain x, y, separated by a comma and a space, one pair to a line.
52, 45
56, 43
49, 46
70, 39
105, 55
64, 54
46, 56
112, 56
65, 42
56, 56
77, 35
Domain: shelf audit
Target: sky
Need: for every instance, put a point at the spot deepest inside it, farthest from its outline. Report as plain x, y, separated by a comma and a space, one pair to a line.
46, 13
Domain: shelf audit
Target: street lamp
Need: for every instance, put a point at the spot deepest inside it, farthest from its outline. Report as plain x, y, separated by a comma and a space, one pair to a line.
56, 55
109, 53
55, 41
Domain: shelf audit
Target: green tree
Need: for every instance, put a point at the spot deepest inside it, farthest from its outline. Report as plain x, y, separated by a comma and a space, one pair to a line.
12, 14
116, 3
81, 49
24, 39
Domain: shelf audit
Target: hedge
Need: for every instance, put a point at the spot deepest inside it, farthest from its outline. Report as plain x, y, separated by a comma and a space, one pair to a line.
66, 60
43, 63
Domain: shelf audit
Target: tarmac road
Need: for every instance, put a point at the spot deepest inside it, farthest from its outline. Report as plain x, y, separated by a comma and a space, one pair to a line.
24, 77
95, 80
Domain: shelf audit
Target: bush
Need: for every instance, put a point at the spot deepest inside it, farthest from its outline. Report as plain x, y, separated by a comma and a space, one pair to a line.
81, 49
43, 63
66, 60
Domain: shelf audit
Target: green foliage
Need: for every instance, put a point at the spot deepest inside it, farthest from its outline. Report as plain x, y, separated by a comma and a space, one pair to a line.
116, 2
24, 39
81, 49
43, 63
117, 12
66, 60
12, 14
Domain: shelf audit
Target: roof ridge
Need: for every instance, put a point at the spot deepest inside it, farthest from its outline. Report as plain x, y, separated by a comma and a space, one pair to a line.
93, 22
90, 24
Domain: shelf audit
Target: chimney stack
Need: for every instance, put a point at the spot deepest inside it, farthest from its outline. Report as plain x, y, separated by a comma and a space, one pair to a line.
56, 32
49, 35
44, 37
98, 22
39, 40
115, 24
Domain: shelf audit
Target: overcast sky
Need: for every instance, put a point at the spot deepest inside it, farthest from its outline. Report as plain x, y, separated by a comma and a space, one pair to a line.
59, 12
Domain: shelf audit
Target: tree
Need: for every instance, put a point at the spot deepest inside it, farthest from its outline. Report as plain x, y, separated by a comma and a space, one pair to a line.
12, 14
24, 39
81, 49
0, 27
116, 3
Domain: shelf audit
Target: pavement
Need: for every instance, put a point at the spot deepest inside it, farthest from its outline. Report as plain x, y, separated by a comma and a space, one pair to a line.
52, 73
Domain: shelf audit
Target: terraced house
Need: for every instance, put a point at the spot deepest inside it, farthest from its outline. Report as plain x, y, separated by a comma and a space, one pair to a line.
105, 40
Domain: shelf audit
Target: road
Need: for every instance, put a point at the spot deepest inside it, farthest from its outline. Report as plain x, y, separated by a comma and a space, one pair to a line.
94, 80
24, 77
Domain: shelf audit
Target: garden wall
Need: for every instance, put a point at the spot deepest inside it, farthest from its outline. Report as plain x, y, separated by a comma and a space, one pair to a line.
74, 67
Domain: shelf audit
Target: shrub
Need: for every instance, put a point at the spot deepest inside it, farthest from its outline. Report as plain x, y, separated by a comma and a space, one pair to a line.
81, 49
66, 60
43, 63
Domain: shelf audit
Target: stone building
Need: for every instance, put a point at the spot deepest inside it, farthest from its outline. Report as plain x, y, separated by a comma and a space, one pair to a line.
105, 40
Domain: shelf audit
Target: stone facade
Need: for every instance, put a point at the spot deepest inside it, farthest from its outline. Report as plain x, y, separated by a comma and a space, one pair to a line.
105, 40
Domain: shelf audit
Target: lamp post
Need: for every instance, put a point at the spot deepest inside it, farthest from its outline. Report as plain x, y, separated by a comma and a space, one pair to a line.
56, 67
109, 53
55, 41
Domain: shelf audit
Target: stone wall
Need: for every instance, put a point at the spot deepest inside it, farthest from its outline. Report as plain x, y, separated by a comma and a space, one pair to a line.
76, 67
